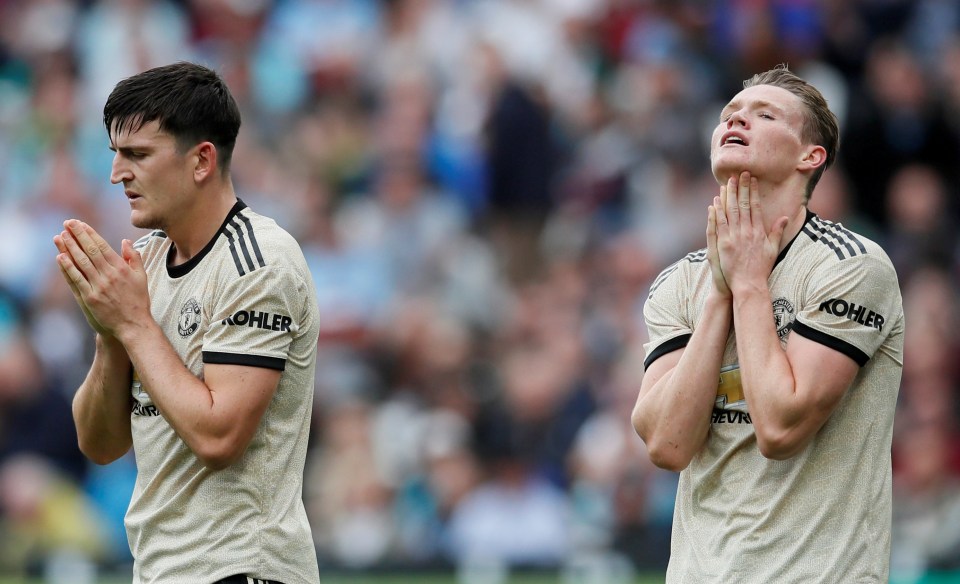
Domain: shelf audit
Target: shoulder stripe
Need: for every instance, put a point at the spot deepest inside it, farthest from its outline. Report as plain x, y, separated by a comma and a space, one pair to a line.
245, 245
851, 236
834, 235
233, 251
816, 237
253, 238
692, 257
142, 242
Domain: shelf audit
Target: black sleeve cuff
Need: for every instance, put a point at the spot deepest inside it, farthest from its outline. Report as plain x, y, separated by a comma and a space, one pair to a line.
667, 347
215, 358
834, 343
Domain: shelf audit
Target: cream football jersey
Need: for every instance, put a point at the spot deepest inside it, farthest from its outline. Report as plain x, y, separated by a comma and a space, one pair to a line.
247, 299
824, 515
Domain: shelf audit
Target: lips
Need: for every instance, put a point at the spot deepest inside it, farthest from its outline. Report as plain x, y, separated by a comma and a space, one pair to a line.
734, 139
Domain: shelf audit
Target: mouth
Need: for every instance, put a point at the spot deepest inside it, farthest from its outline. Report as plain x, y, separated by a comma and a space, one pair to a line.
733, 139
132, 195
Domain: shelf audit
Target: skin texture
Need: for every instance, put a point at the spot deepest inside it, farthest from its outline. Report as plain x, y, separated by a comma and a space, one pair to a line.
183, 193
763, 165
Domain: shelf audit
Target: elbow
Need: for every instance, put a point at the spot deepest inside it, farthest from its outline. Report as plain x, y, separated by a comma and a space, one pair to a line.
663, 453
101, 456
777, 446
218, 454
667, 456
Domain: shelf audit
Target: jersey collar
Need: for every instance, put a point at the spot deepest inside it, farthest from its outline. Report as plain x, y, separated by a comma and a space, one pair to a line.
783, 252
185, 268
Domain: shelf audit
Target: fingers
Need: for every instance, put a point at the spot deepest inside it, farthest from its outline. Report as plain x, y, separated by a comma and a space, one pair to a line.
74, 277
90, 242
756, 211
730, 200
131, 256
719, 208
744, 188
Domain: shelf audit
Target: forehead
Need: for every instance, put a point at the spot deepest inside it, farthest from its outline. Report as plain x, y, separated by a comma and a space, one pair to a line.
768, 95
147, 134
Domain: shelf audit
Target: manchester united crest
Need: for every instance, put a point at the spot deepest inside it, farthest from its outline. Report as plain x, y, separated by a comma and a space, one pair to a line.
189, 320
783, 316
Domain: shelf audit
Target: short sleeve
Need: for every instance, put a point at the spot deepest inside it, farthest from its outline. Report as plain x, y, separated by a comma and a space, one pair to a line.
668, 328
255, 319
851, 306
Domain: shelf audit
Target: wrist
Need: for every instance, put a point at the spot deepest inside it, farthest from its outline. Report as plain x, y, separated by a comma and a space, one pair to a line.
131, 334
108, 343
719, 298
749, 288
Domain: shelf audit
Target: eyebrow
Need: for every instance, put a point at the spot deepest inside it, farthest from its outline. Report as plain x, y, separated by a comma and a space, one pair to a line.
754, 104
129, 148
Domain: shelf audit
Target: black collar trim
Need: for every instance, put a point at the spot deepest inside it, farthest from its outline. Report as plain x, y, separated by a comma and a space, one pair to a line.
783, 252
185, 268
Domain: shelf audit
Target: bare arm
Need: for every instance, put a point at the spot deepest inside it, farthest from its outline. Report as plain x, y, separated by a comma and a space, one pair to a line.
673, 410
216, 417
101, 407
791, 393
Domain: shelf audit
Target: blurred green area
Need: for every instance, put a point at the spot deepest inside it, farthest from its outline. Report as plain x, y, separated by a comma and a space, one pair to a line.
381, 579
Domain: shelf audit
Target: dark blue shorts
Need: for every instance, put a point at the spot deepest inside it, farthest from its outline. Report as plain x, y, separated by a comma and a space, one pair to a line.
242, 579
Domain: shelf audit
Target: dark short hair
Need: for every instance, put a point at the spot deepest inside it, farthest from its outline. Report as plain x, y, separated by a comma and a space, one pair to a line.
190, 102
820, 125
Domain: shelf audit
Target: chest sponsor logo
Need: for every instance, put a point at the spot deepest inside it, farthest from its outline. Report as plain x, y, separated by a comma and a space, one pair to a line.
730, 389
260, 320
189, 320
855, 312
140, 396
783, 314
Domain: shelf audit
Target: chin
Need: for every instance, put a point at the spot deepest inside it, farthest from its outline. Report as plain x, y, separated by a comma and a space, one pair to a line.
141, 221
724, 169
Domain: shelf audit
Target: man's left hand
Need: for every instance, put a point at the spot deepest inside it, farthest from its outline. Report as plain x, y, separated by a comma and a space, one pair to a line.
112, 288
747, 250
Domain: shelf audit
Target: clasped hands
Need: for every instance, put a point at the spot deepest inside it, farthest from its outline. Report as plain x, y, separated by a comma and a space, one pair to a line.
740, 248
110, 288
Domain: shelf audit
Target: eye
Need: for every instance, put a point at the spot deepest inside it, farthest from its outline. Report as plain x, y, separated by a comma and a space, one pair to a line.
766, 116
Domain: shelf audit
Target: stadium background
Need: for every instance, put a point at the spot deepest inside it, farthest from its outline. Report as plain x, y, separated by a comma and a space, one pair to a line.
484, 189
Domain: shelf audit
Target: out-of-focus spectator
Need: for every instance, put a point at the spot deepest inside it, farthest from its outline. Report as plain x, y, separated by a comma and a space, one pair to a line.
923, 229
896, 119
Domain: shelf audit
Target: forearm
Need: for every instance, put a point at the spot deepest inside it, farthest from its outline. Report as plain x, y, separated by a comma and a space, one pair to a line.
765, 372
673, 417
184, 400
101, 406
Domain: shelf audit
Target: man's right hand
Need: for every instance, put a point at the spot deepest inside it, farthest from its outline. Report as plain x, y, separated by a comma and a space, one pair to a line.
91, 320
713, 255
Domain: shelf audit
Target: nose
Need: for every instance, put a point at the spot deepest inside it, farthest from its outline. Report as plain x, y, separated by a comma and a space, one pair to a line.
737, 119
119, 172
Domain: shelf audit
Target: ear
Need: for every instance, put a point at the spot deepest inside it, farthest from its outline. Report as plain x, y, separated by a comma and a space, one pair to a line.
206, 161
814, 157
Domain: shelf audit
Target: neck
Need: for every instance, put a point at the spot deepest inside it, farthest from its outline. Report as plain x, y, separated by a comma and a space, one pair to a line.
198, 224
785, 199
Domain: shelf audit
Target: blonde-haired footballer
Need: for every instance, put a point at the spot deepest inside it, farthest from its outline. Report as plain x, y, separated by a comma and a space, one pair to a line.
774, 364
206, 345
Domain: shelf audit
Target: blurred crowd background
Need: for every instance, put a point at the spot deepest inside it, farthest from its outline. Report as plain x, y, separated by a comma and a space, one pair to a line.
484, 190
